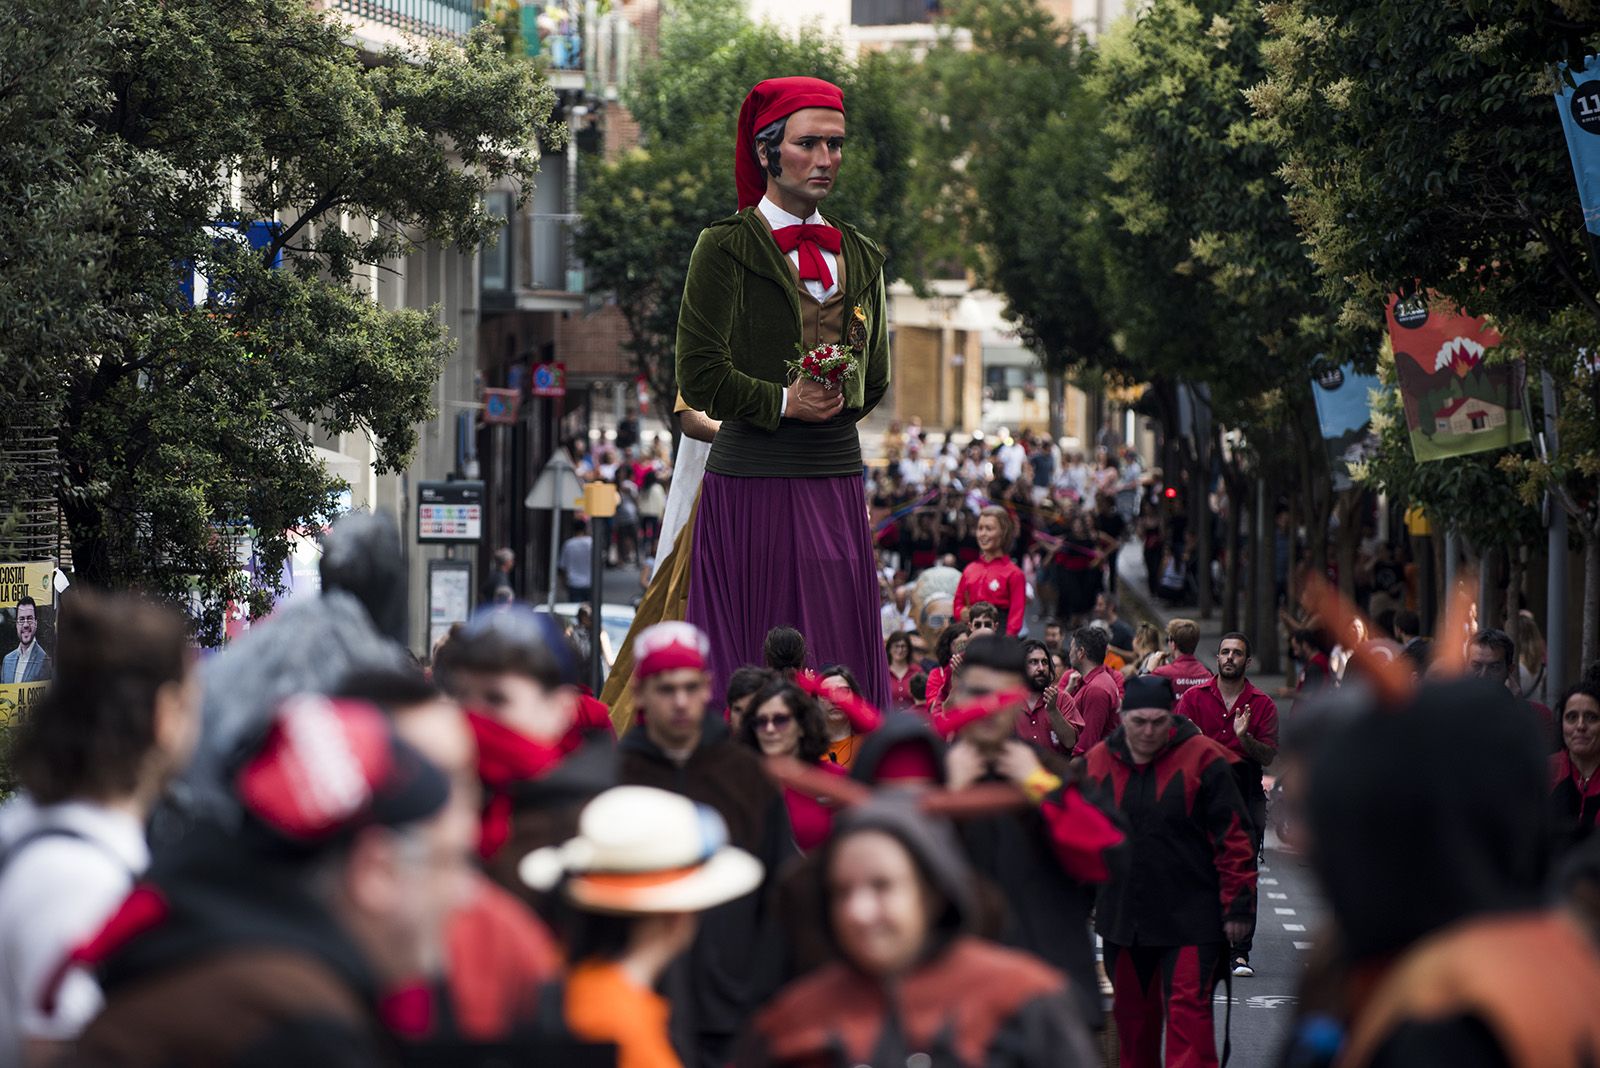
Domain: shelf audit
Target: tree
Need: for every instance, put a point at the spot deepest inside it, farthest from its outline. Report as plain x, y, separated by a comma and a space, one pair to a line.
183, 424
1423, 152
1010, 168
643, 212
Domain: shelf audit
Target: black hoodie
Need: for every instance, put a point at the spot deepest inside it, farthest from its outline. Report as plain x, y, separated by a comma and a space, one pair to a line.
965, 1002
1193, 851
737, 954
1044, 910
238, 966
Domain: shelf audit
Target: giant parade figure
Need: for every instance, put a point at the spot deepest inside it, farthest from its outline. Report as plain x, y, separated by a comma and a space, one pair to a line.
783, 338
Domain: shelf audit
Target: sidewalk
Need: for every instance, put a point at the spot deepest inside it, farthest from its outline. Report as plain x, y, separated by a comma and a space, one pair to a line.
1138, 603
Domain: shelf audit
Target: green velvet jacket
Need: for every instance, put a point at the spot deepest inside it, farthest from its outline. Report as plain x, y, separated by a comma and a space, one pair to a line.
740, 322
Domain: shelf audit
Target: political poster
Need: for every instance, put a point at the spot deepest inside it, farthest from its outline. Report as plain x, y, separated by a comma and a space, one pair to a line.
1456, 401
1344, 410
27, 633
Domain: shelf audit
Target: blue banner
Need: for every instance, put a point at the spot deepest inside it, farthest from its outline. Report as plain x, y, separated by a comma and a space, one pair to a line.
1579, 105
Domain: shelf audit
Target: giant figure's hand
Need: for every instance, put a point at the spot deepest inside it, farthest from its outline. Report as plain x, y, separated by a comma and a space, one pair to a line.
813, 402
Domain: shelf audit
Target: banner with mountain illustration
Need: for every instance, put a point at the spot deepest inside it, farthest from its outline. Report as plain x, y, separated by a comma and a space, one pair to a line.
1456, 401
1344, 410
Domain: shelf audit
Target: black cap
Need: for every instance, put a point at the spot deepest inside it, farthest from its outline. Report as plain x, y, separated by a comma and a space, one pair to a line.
1148, 691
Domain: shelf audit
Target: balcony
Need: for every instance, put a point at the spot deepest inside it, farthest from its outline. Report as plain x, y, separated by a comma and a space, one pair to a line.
532, 267
891, 12
552, 33
423, 18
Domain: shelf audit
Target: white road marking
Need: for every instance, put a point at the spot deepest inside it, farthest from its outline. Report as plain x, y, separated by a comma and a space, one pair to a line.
1269, 882
1277, 897
1294, 927
1284, 912
1302, 945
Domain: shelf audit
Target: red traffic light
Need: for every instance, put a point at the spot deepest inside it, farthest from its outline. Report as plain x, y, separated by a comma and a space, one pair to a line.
1170, 492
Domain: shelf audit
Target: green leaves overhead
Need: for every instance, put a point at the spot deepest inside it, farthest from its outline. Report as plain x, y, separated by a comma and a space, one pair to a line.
154, 131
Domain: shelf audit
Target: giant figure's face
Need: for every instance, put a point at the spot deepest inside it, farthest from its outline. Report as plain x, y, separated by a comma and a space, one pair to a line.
812, 149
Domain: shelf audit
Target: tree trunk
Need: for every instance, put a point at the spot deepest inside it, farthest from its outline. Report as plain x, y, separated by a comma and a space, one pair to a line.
1591, 597
1238, 509
1056, 385
1265, 636
1256, 546
1349, 512
1200, 520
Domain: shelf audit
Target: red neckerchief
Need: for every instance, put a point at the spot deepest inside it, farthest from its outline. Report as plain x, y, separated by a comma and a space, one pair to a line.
810, 239
505, 757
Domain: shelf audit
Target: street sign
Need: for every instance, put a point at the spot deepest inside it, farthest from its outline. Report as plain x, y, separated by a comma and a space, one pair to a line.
500, 405
555, 485
550, 380
449, 512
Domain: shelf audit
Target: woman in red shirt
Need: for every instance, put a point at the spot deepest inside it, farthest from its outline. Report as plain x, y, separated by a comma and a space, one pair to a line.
994, 577
952, 643
785, 721
902, 669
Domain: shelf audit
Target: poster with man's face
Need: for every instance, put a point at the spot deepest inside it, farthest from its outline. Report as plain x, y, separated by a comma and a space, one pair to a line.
27, 633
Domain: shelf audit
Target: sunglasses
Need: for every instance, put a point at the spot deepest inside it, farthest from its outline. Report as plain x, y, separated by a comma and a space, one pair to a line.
774, 723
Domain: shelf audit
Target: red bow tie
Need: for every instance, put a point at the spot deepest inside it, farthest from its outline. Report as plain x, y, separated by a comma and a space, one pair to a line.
810, 239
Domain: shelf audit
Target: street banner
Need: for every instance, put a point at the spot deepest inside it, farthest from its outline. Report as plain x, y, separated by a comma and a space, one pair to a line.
1578, 103
1456, 402
27, 633
1344, 410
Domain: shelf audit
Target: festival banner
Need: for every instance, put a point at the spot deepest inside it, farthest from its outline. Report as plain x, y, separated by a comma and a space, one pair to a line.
1456, 402
27, 633
1344, 410
1578, 103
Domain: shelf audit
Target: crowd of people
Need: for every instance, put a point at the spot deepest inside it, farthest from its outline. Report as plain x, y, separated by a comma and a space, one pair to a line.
311, 848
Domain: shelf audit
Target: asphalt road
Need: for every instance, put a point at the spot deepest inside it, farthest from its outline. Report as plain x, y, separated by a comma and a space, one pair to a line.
1287, 919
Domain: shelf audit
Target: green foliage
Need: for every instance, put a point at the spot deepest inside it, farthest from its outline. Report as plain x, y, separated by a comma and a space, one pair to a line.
643, 212
1423, 149
1012, 189
180, 425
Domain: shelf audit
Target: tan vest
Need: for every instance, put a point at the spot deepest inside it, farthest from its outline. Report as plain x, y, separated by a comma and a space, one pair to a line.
1532, 978
819, 322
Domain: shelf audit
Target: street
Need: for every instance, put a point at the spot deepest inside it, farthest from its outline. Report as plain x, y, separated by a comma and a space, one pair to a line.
1288, 917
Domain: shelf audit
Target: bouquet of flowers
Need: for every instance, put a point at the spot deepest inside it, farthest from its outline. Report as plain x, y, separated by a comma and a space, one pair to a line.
831, 364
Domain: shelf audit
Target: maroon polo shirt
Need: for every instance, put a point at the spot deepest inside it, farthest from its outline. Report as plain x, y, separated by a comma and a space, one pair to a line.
1033, 722
1205, 706
1185, 672
1098, 700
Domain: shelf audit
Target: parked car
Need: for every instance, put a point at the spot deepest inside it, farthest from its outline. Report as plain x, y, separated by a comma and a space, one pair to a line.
615, 621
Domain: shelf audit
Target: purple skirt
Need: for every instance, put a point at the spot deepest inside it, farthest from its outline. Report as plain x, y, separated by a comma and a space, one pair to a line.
772, 552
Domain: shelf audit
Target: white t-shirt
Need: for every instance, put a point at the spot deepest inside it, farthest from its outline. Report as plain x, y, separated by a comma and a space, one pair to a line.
577, 560
1012, 457
55, 894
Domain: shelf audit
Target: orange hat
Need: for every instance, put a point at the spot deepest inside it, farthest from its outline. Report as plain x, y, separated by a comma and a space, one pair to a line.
769, 101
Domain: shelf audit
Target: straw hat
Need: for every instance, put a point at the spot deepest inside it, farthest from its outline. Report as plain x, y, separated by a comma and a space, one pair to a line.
640, 851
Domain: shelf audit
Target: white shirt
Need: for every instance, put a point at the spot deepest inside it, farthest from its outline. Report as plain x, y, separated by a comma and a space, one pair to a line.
24, 658
1012, 457
576, 557
55, 894
779, 218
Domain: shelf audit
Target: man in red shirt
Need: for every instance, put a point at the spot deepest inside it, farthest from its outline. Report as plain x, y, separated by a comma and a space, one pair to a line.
1051, 719
1186, 671
1094, 689
1244, 720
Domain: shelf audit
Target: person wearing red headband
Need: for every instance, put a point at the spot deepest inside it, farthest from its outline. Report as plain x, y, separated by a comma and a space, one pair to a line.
674, 745
780, 536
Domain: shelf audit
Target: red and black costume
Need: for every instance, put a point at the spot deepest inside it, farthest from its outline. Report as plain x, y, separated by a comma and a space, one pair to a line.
1192, 866
1046, 860
1574, 800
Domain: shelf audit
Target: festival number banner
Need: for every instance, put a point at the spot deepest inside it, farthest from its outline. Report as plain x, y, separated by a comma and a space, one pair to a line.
1578, 103
1344, 410
27, 633
1456, 401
